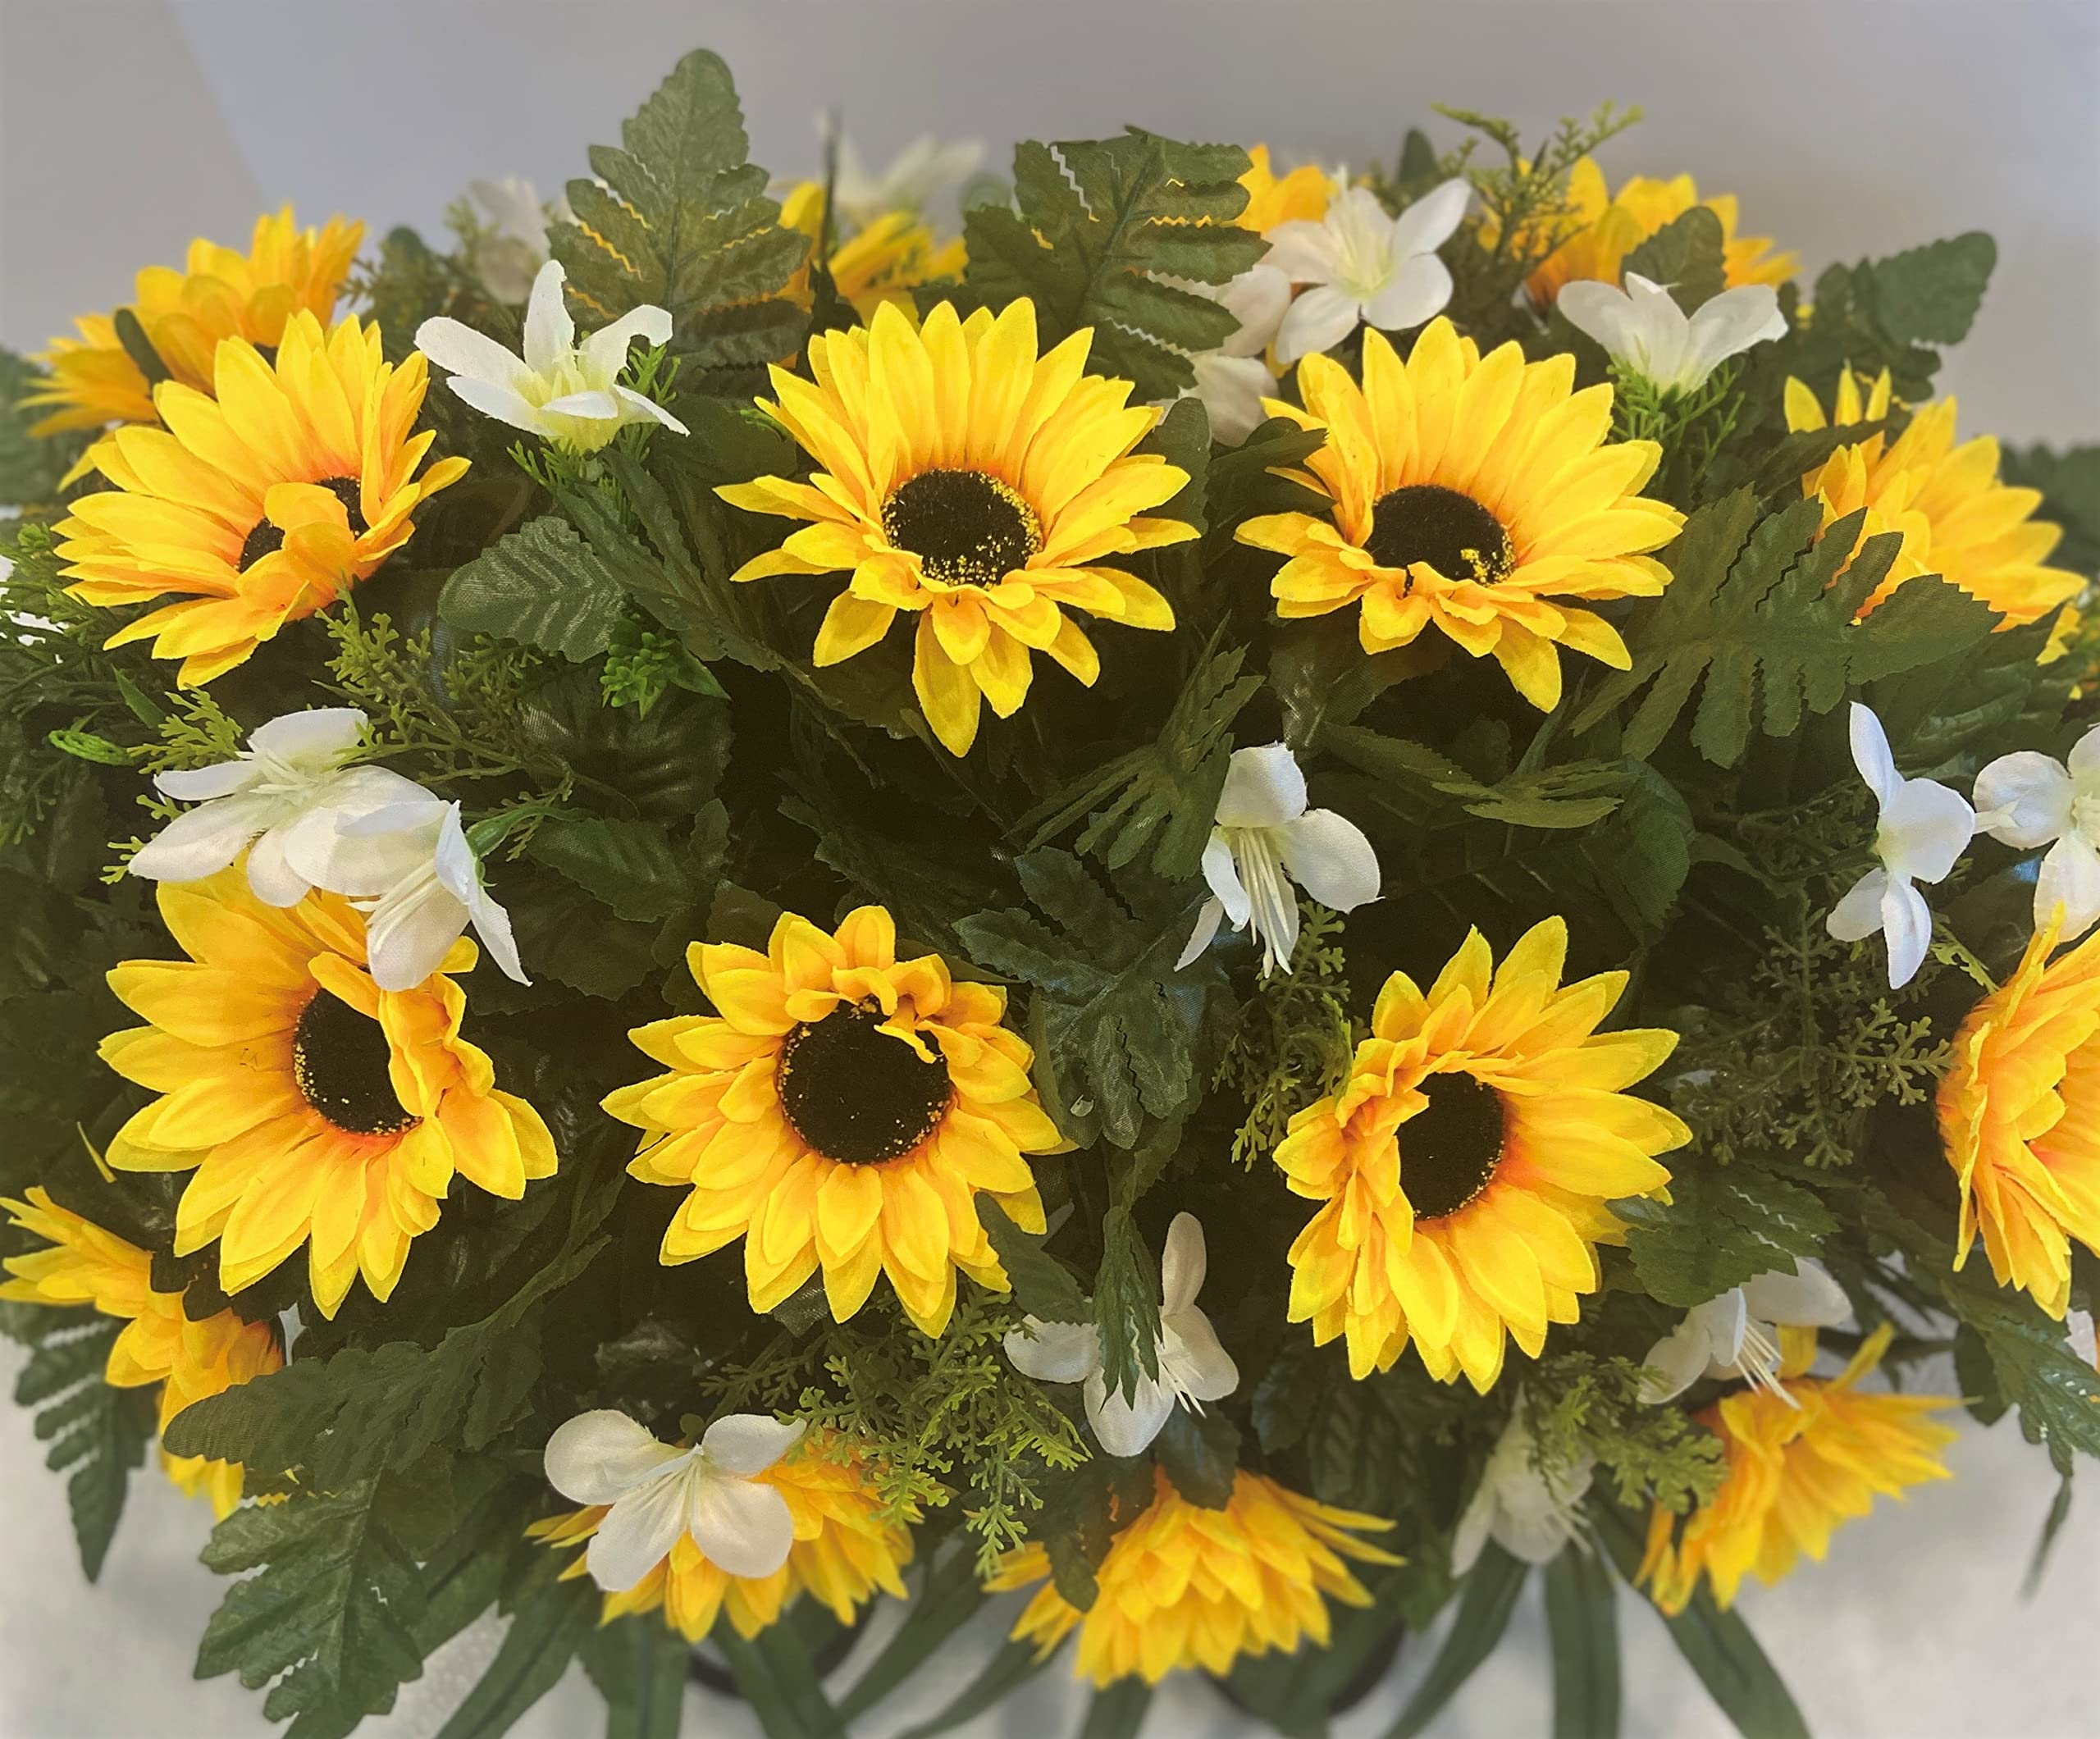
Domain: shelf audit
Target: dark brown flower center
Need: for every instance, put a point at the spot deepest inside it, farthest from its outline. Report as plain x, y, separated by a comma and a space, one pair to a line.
1449, 1149
966, 528
1452, 532
266, 539
339, 1060
855, 1093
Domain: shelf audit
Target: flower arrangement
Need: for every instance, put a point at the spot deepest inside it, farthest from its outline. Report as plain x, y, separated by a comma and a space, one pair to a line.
1248, 900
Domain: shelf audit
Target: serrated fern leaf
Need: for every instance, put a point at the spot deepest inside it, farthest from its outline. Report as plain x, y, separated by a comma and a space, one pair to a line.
98, 1431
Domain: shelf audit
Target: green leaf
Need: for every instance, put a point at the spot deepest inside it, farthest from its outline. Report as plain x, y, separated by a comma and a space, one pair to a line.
1688, 257
1489, 1596
1889, 313
1242, 483
1723, 1225
347, 1416
679, 219
1296, 1693
2037, 1566
2070, 482
948, 1598
97, 1429
630, 865
1118, 1712
1576, 794
1097, 227
639, 1664
30, 465
2057, 1393
1126, 1304
1163, 795
1120, 1016
1200, 1453
1005, 1672
1042, 1286
780, 1681
1581, 1622
1930, 294
541, 585
563, 933
550, 1620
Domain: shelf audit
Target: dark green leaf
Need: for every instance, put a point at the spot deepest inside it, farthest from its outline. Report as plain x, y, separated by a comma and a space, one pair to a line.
2032, 1365
1042, 1286
550, 1621
1723, 1225
630, 865
1200, 1453
948, 1598
1688, 257
30, 465
1930, 294
1581, 1622
1005, 1672
1118, 1712
1126, 1304
780, 1681
639, 1664
2070, 482
1296, 1693
1489, 1596
543, 585
99, 1432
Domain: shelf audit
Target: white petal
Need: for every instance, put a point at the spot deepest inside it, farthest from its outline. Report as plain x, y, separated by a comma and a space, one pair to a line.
275, 882
598, 1456
1257, 298
636, 408
1262, 788
1658, 335
205, 840
742, 1526
1538, 1538
1723, 1322
550, 333
638, 1532
1329, 857
2069, 877
2025, 799
498, 402
334, 847
1808, 1298
604, 351
1470, 1538
315, 741
1054, 1352
1430, 221
454, 858
492, 924
1925, 828
1231, 388
1222, 873
1191, 1356
745, 1444
1858, 915
1604, 311
1128, 1428
221, 779
467, 355
2085, 757
1181, 1264
1301, 250
591, 406
1676, 1362
1208, 918
1320, 318
1907, 922
1730, 323
411, 931
1870, 753
1419, 291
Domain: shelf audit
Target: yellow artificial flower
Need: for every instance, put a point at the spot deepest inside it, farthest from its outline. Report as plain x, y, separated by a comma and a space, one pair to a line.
1599, 228
844, 1550
1957, 520
190, 1359
841, 1111
1189, 1587
223, 294
1800, 1459
1473, 494
2019, 1114
260, 506
312, 1106
1464, 1168
1303, 195
976, 485
883, 261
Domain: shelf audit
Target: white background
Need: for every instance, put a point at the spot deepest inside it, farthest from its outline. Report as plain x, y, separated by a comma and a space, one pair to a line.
1848, 127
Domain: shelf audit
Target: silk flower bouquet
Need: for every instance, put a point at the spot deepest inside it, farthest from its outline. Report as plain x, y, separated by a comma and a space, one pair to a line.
1218, 913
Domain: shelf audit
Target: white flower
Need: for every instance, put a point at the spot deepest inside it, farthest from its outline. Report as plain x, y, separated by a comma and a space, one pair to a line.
914, 175
1528, 1512
412, 868
1642, 327
1735, 1334
2028, 800
657, 1493
515, 245
562, 390
1193, 1367
1233, 380
1264, 840
1923, 827
288, 792
1364, 266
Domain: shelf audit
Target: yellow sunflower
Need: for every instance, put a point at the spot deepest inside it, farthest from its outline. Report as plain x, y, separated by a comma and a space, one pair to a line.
1464, 1168
1188, 1587
1957, 520
841, 1111
261, 505
975, 485
1303, 195
1474, 493
160, 1343
2019, 1114
223, 294
881, 261
312, 1106
844, 1550
1800, 1459
1599, 228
